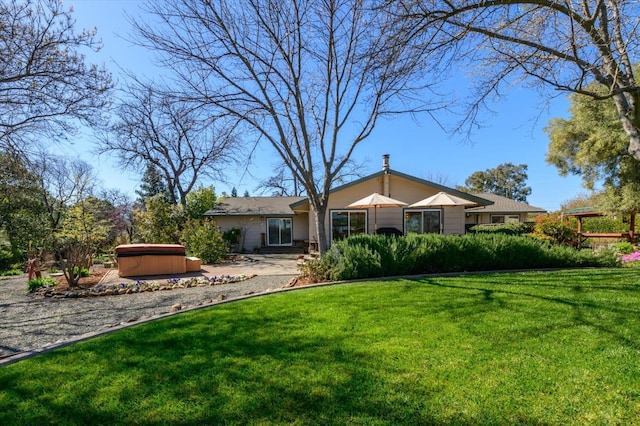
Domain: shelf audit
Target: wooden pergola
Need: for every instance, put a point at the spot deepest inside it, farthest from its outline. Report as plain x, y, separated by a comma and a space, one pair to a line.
583, 212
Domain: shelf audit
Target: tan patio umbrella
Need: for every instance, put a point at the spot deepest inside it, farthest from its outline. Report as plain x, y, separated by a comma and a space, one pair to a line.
376, 200
442, 199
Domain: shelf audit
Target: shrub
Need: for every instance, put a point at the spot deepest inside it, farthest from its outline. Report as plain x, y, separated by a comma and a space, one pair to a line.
366, 256
41, 282
516, 228
6, 257
203, 239
350, 261
84, 272
604, 224
315, 270
631, 260
624, 247
552, 227
232, 238
10, 272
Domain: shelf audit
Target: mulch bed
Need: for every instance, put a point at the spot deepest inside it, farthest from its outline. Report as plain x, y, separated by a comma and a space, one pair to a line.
85, 282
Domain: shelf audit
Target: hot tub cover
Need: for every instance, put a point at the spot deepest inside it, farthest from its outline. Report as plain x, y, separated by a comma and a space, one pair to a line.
129, 250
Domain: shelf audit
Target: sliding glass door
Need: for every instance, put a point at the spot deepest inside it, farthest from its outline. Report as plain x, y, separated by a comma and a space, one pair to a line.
279, 231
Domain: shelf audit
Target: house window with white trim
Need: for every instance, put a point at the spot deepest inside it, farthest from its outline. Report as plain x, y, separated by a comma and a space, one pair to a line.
505, 218
422, 221
345, 223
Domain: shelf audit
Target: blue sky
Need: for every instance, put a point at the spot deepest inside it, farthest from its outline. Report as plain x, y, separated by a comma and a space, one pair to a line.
418, 147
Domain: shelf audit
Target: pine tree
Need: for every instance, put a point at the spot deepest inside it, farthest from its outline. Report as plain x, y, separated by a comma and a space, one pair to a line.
152, 184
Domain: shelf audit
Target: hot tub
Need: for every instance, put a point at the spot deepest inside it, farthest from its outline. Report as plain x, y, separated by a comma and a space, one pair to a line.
150, 259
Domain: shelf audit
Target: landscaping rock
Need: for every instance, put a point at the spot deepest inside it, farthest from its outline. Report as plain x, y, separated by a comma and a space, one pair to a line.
31, 320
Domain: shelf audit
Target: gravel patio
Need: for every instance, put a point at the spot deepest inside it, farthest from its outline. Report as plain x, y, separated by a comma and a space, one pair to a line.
31, 323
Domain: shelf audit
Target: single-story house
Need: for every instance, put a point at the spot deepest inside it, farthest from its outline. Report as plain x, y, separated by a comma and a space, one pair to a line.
503, 210
283, 222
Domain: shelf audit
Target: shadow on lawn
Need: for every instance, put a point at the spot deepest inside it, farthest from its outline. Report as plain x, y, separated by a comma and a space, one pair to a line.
589, 307
239, 363
221, 372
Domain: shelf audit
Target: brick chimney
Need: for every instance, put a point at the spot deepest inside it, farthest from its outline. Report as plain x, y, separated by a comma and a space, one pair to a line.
385, 177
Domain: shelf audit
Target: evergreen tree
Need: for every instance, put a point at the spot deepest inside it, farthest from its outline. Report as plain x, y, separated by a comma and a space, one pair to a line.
152, 184
234, 192
591, 143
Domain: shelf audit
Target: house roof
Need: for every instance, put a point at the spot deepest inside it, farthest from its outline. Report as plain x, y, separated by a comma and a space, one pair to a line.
472, 197
250, 206
503, 205
270, 206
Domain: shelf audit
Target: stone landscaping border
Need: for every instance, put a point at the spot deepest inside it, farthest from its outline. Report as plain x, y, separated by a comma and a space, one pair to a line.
140, 286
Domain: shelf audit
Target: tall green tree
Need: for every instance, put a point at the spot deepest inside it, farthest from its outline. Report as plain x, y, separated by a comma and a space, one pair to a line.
152, 184
591, 143
46, 85
507, 180
21, 209
160, 222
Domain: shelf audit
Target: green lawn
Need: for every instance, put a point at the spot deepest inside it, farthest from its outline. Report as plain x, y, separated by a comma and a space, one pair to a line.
528, 348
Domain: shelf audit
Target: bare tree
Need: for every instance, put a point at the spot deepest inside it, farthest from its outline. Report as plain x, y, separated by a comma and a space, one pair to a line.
45, 83
559, 44
281, 184
65, 182
310, 77
180, 140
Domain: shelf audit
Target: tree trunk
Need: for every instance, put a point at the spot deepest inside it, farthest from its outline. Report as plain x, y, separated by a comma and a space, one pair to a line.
628, 124
320, 215
634, 141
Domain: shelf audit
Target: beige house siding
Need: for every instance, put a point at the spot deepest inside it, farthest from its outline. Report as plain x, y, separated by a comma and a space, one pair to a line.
400, 188
453, 220
251, 227
251, 213
300, 227
254, 227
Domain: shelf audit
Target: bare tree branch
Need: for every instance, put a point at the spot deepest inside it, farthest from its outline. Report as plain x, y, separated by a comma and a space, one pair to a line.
558, 44
45, 85
179, 139
310, 77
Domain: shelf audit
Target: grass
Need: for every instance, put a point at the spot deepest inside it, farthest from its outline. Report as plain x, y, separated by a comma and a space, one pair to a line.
528, 348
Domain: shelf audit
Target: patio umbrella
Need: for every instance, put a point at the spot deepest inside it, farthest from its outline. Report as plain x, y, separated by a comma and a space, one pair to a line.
376, 200
442, 199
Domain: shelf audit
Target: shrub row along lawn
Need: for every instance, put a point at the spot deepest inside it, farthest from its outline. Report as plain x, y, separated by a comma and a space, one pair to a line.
367, 256
556, 347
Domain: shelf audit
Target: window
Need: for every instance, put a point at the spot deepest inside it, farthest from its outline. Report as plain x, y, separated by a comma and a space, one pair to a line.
502, 218
345, 223
279, 231
422, 221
